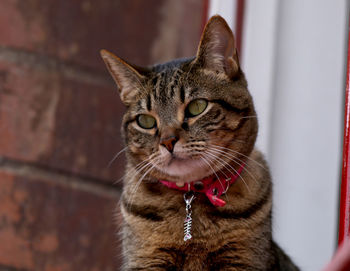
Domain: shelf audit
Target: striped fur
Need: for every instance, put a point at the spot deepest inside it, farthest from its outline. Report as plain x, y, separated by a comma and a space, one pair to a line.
216, 142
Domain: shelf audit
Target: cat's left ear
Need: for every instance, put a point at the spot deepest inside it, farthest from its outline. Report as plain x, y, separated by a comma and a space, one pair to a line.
127, 78
216, 49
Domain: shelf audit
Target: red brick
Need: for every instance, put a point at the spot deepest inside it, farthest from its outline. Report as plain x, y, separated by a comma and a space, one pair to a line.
57, 112
76, 30
58, 122
48, 226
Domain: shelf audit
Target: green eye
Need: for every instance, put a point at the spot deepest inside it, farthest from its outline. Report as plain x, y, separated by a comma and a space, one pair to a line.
196, 107
146, 121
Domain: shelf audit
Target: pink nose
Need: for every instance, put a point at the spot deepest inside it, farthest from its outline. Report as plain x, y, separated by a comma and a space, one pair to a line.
169, 142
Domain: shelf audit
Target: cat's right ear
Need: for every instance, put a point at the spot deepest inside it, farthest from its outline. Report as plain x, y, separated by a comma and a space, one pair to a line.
217, 51
126, 77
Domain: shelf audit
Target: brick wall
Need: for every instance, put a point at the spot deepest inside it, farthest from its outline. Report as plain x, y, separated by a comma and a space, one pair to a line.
60, 117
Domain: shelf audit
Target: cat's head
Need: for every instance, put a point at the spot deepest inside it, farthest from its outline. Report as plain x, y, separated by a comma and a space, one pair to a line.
187, 118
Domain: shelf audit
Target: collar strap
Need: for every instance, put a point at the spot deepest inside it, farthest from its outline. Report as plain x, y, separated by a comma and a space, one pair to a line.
212, 187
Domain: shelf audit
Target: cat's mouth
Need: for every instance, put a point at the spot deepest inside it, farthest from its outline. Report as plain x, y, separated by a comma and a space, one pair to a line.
185, 168
176, 159
181, 165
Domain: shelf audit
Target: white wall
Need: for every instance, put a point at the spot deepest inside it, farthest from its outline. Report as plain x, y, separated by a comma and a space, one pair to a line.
258, 61
294, 59
306, 131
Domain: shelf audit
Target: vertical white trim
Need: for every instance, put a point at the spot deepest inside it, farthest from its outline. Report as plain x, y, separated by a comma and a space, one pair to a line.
258, 61
226, 9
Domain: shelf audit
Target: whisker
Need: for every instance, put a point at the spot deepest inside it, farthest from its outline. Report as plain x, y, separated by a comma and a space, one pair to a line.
226, 177
136, 187
132, 171
116, 156
233, 159
140, 167
216, 158
229, 155
153, 163
136, 168
236, 172
239, 153
208, 163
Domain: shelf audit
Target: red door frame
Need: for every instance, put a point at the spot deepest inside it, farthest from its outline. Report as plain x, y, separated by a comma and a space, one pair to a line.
344, 215
239, 25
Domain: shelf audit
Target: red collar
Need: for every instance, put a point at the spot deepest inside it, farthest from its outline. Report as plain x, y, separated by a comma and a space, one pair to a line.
212, 187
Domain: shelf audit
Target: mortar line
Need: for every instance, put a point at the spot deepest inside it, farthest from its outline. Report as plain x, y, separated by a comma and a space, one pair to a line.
59, 177
39, 61
11, 268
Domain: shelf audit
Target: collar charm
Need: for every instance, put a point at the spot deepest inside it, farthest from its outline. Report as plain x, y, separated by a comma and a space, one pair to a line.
188, 197
211, 187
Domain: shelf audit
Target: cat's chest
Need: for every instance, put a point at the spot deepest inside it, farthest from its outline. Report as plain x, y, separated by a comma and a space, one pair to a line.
169, 219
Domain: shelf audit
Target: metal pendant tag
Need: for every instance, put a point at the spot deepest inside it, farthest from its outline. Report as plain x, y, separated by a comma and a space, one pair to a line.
188, 197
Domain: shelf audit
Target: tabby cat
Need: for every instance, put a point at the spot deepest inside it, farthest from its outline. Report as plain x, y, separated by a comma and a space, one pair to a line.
189, 129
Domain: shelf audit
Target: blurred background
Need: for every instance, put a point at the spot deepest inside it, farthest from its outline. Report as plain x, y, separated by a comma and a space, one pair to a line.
60, 115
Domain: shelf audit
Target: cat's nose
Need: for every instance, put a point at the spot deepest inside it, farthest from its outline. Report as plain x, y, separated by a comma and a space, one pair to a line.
169, 142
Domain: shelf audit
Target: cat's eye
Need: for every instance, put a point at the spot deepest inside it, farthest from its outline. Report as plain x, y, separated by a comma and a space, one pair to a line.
146, 121
196, 107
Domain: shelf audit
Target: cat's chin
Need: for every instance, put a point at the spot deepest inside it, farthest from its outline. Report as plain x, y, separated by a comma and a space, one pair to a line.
184, 170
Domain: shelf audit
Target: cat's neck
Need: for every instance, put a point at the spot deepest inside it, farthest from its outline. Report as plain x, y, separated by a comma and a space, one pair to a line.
213, 186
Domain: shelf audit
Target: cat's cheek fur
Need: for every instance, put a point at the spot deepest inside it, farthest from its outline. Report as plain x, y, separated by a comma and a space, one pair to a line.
139, 140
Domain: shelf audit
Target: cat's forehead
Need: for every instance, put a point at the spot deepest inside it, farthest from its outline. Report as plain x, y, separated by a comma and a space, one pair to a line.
166, 92
166, 79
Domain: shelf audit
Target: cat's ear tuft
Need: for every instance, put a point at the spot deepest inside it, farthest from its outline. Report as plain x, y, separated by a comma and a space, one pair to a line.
127, 78
217, 51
